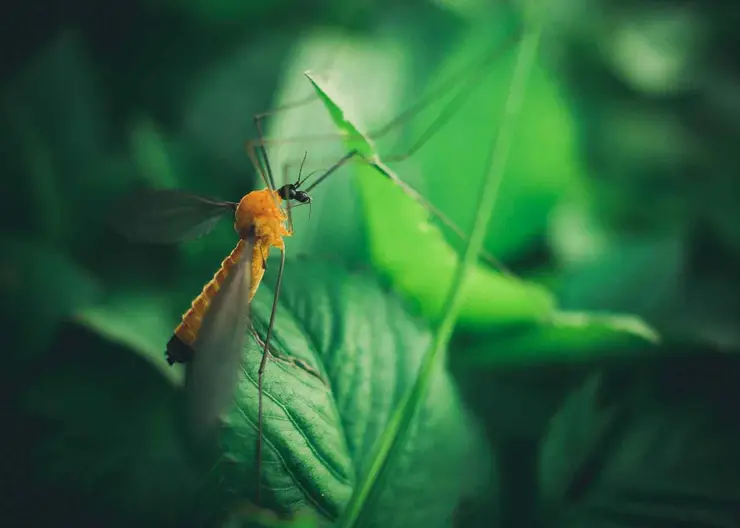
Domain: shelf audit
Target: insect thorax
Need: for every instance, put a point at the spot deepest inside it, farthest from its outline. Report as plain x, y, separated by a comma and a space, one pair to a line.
261, 210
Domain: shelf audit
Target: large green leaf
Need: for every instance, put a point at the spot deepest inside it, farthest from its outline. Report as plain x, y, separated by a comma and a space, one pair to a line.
648, 445
319, 437
115, 438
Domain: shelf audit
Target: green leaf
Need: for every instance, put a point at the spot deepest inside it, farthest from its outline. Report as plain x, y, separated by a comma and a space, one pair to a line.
144, 323
250, 516
353, 138
544, 161
421, 263
415, 255
468, 9
652, 444
107, 438
151, 154
630, 274
41, 286
56, 115
319, 437
566, 337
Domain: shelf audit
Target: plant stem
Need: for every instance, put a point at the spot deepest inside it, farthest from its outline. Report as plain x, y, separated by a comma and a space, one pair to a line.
399, 423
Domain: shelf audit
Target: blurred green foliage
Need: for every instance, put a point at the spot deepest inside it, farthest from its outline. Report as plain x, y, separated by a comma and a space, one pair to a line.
617, 220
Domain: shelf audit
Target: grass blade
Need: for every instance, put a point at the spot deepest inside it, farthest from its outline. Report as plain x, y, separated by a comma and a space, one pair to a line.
405, 413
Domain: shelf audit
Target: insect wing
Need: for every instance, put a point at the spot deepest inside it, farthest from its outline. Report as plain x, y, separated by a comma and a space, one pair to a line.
212, 374
167, 216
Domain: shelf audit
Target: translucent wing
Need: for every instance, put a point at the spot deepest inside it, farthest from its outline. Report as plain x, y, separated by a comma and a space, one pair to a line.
212, 374
166, 216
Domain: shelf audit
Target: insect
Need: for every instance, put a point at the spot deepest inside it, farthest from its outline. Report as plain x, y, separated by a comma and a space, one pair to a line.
210, 338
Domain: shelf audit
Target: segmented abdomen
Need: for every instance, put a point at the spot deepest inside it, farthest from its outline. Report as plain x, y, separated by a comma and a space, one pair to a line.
187, 330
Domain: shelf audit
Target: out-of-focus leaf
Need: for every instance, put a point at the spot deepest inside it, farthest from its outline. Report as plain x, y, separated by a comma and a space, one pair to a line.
250, 515
220, 104
144, 323
668, 40
421, 263
107, 436
648, 445
319, 437
55, 112
565, 337
543, 162
469, 9
224, 11
151, 155
40, 287
617, 274
537, 392
648, 275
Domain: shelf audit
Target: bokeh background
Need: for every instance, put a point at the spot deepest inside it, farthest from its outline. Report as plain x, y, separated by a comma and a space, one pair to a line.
619, 197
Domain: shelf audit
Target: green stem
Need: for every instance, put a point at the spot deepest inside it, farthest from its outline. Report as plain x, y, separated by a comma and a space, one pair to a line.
403, 416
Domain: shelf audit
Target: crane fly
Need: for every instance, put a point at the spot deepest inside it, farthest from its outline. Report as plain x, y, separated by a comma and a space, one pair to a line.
210, 338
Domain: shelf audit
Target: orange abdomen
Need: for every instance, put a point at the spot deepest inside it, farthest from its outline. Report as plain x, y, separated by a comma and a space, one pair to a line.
187, 330
258, 217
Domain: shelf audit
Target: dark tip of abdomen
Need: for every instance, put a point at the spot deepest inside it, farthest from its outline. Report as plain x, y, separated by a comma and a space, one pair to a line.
177, 351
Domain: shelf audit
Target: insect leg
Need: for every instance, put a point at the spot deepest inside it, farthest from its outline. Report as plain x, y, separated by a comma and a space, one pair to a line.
253, 146
413, 194
259, 118
263, 365
474, 71
468, 78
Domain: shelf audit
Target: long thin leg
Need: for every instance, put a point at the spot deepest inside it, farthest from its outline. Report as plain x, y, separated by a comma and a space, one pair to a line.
468, 78
252, 147
263, 151
263, 365
260, 117
287, 360
312, 98
473, 73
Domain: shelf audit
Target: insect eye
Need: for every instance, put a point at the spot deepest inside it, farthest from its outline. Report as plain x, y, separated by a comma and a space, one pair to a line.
284, 192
